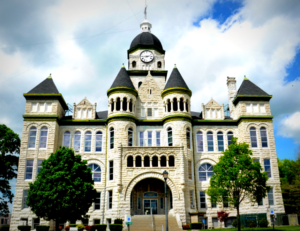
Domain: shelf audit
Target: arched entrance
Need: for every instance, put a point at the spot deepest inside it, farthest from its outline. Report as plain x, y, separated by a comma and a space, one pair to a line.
149, 194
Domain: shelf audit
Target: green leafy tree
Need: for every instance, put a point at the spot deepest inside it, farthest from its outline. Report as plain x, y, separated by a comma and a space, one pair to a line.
64, 188
289, 171
237, 177
10, 149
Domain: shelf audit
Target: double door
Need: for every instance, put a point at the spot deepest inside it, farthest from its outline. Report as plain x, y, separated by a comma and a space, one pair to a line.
148, 204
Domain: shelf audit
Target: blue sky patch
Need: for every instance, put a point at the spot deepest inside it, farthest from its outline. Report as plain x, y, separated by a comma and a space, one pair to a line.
293, 70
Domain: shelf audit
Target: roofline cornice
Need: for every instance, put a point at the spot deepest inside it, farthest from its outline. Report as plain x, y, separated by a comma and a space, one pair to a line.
251, 98
59, 97
176, 90
122, 90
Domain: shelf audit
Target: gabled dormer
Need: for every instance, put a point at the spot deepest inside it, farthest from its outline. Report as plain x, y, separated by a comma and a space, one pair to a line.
213, 111
84, 110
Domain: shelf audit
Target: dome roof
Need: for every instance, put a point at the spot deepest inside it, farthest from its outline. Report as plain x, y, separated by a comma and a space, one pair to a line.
146, 38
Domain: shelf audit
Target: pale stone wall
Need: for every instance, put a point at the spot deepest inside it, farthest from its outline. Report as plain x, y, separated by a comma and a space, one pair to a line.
135, 56
56, 108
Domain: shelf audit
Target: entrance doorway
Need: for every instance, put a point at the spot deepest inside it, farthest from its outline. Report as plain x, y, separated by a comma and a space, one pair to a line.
148, 204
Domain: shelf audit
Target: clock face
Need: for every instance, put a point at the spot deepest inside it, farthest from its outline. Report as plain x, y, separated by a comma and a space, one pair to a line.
147, 56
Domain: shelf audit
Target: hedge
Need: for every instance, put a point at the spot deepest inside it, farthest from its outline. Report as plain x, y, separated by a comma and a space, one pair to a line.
115, 227
42, 227
101, 227
24, 227
197, 225
73, 225
118, 221
4, 228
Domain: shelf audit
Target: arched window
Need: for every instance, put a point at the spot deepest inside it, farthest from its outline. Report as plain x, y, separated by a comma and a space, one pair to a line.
112, 105
139, 84
229, 136
32, 137
118, 104
129, 161
169, 105
154, 161
181, 104
210, 142
199, 142
98, 146
163, 161
253, 137
146, 161
175, 104
130, 105
43, 137
187, 105
88, 142
134, 64
263, 137
130, 137
138, 161
112, 138
171, 161
188, 138
77, 139
96, 170
170, 137
220, 141
159, 64
124, 104
205, 172
67, 139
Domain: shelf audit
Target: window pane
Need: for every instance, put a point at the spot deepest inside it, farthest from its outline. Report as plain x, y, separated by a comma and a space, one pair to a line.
255, 108
88, 142
199, 142
220, 142
149, 138
43, 137
157, 138
141, 138
98, 145
25, 193
49, 107
112, 138
271, 197
78, 113
248, 108
77, 139
89, 113
29, 169
202, 199
263, 136
32, 137
262, 108
253, 137
229, 137
188, 139
190, 169
67, 139
207, 113
39, 166
267, 165
41, 107
170, 138
83, 113
210, 142
149, 111
130, 137
33, 107
111, 170
213, 113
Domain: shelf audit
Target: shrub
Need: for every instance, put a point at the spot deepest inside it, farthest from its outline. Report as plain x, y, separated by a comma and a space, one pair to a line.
67, 228
252, 224
24, 227
115, 227
42, 227
118, 221
263, 222
80, 227
4, 228
72, 225
186, 227
87, 227
235, 223
101, 227
93, 228
196, 225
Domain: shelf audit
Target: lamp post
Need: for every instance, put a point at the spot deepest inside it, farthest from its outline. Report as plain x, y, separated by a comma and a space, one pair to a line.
165, 175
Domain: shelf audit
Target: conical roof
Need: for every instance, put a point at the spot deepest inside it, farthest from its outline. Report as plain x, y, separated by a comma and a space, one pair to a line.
122, 79
45, 87
249, 88
176, 80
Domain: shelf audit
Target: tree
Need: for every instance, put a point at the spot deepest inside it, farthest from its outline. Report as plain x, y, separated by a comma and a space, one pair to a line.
10, 149
64, 188
237, 178
289, 171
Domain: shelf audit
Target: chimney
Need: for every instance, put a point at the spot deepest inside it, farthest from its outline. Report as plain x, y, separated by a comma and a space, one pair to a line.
231, 84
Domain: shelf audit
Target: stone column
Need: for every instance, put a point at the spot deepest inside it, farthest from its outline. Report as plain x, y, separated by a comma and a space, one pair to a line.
171, 106
167, 162
178, 107
127, 106
150, 162
121, 105
115, 105
142, 164
159, 165
134, 162
184, 107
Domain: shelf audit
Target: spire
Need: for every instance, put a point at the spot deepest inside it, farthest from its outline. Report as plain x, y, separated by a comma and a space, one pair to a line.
146, 25
122, 79
45, 87
176, 80
249, 88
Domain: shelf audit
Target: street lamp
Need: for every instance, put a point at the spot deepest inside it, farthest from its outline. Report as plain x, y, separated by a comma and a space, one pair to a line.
165, 175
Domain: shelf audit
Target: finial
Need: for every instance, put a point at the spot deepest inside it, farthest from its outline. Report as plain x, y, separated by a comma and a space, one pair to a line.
245, 78
123, 65
49, 77
145, 11
175, 66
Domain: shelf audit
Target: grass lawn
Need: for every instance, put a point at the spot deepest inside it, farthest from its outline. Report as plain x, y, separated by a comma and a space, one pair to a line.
277, 228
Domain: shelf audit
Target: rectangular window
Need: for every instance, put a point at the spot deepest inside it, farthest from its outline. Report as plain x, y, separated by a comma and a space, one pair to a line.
49, 107
255, 108
271, 197
83, 113
149, 111
161, 203
267, 165
110, 197
262, 108
149, 138
190, 169
78, 113
33, 107
97, 222
39, 166
248, 108
139, 205
157, 138
213, 113
219, 113
155, 112
89, 113
111, 170
141, 138
25, 194
36, 221
41, 107
207, 113
29, 169
202, 200
192, 199
142, 112
255, 160
97, 201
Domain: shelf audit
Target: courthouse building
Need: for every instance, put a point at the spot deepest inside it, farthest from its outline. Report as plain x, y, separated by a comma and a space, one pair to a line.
148, 127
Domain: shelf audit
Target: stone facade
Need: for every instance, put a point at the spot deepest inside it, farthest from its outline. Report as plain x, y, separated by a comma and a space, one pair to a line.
126, 159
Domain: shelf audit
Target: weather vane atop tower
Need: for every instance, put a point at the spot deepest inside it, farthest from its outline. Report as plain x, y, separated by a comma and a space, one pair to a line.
145, 11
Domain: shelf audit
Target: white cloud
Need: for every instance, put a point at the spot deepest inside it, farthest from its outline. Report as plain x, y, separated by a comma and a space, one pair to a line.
290, 126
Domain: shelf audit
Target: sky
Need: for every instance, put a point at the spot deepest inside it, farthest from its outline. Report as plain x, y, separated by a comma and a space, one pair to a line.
84, 43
